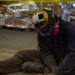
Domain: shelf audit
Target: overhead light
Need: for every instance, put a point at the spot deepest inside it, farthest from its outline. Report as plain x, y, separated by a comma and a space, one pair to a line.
73, 5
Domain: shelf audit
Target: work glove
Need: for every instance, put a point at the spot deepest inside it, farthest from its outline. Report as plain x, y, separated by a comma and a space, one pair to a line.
56, 71
49, 71
51, 74
46, 71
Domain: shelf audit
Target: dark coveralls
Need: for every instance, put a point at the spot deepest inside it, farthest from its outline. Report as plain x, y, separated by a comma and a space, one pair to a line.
59, 50
55, 51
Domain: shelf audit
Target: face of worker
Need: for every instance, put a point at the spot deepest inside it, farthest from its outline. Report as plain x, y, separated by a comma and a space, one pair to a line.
47, 24
44, 27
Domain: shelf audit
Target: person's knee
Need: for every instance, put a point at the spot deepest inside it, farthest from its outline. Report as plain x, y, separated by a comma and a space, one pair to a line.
22, 52
33, 67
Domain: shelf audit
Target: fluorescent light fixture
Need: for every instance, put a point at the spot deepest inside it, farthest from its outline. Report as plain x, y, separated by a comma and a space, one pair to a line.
73, 5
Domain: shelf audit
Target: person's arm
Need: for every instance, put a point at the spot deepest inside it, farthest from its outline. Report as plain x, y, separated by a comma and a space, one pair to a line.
46, 53
68, 62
